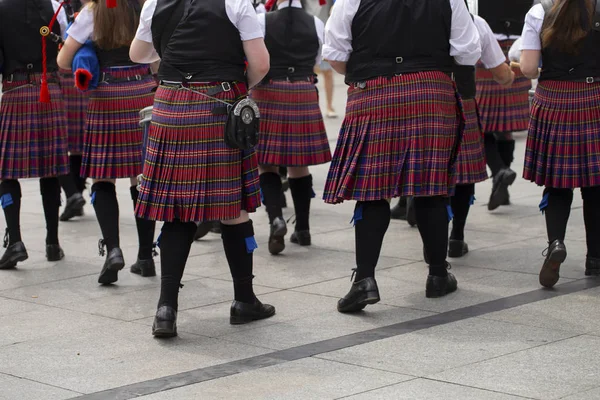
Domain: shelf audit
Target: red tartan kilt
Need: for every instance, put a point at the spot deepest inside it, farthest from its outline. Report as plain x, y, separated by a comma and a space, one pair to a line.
76, 103
470, 163
292, 132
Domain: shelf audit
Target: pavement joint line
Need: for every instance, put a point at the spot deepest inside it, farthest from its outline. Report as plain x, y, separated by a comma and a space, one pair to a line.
378, 388
478, 388
205, 374
41, 383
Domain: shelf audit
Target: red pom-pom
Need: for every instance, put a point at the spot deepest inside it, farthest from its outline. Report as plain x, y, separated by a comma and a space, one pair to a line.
44, 92
322, 2
111, 3
82, 79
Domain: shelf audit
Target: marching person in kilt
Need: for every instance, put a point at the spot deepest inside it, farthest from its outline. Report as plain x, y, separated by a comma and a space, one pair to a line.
76, 103
470, 163
563, 144
112, 146
403, 124
292, 132
191, 174
33, 134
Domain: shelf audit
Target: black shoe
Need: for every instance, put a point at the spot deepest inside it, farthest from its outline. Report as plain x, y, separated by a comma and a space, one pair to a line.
411, 216
439, 286
202, 230
507, 201
276, 238
14, 254
113, 264
399, 210
165, 322
216, 227
301, 237
503, 179
555, 256
73, 208
457, 248
592, 266
144, 268
243, 313
361, 294
54, 252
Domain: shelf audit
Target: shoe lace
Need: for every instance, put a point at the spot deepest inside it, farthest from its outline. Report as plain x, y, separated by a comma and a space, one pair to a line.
545, 251
154, 252
353, 274
448, 266
101, 245
290, 219
5, 244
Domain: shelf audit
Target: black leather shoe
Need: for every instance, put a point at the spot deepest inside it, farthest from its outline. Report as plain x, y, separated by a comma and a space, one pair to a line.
361, 294
503, 179
411, 216
216, 227
14, 254
54, 252
439, 286
144, 268
399, 210
73, 208
113, 264
592, 266
276, 238
550, 272
165, 322
202, 230
301, 237
243, 313
457, 248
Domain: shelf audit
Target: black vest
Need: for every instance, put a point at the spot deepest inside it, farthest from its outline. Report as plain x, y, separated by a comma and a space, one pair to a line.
203, 47
400, 36
464, 76
118, 57
558, 66
504, 16
292, 41
20, 39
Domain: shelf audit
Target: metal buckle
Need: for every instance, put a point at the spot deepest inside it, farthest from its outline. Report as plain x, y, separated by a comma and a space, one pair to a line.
360, 85
103, 80
225, 86
10, 78
188, 76
589, 79
291, 70
399, 60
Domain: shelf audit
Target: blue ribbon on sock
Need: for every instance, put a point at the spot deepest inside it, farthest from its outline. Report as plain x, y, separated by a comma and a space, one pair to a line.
544, 202
358, 214
450, 213
472, 200
158, 240
6, 200
251, 244
93, 197
262, 197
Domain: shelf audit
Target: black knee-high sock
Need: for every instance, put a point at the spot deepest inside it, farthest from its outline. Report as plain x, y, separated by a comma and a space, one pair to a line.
75, 168
432, 220
50, 190
68, 185
10, 192
239, 245
461, 202
506, 148
145, 230
270, 184
372, 219
104, 199
492, 155
557, 212
301, 189
175, 244
591, 216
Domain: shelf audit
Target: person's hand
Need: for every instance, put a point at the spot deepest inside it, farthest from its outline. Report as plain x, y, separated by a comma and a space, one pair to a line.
509, 82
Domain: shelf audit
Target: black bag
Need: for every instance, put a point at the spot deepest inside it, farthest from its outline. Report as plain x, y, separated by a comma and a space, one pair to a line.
241, 128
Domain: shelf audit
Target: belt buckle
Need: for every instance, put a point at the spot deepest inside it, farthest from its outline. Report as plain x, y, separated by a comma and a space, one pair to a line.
10, 78
138, 77
399, 60
360, 85
103, 80
590, 79
291, 70
225, 86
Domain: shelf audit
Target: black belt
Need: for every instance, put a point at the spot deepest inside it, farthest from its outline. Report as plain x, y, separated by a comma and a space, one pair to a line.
213, 91
106, 77
589, 79
291, 79
363, 84
27, 76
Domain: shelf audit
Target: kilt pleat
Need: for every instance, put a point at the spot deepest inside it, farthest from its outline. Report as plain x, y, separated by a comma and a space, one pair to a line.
76, 103
470, 163
292, 132
33, 135
398, 138
189, 173
563, 142
113, 136
502, 109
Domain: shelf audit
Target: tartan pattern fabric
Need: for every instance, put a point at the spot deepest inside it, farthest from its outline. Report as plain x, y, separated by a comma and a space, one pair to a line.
113, 137
502, 109
563, 143
33, 135
190, 173
76, 103
292, 132
470, 163
399, 138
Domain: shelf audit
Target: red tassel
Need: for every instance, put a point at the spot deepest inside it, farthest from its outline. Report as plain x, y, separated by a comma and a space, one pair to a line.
269, 4
44, 92
322, 2
82, 79
111, 3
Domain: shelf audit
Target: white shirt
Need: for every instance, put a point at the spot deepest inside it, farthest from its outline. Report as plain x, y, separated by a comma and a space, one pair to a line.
240, 13
260, 9
491, 52
532, 29
61, 18
464, 39
83, 26
319, 25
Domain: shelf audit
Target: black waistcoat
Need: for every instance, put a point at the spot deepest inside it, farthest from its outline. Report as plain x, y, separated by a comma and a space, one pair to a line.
558, 66
20, 39
464, 76
118, 57
399, 36
205, 46
292, 41
504, 16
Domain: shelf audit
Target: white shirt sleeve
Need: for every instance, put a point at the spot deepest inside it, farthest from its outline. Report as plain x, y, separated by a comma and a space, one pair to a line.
491, 52
260, 9
83, 27
533, 28
144, 31
320, 26
244, 18
262, 23
338, 31
464, 39
61, 18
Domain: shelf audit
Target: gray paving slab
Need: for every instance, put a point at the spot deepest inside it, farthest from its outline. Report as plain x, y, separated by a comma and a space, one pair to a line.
549, 372
12, 388
593, 394
296, 380
10, 307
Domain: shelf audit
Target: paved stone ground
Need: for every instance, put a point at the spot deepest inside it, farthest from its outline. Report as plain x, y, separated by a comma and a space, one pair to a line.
500, 337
